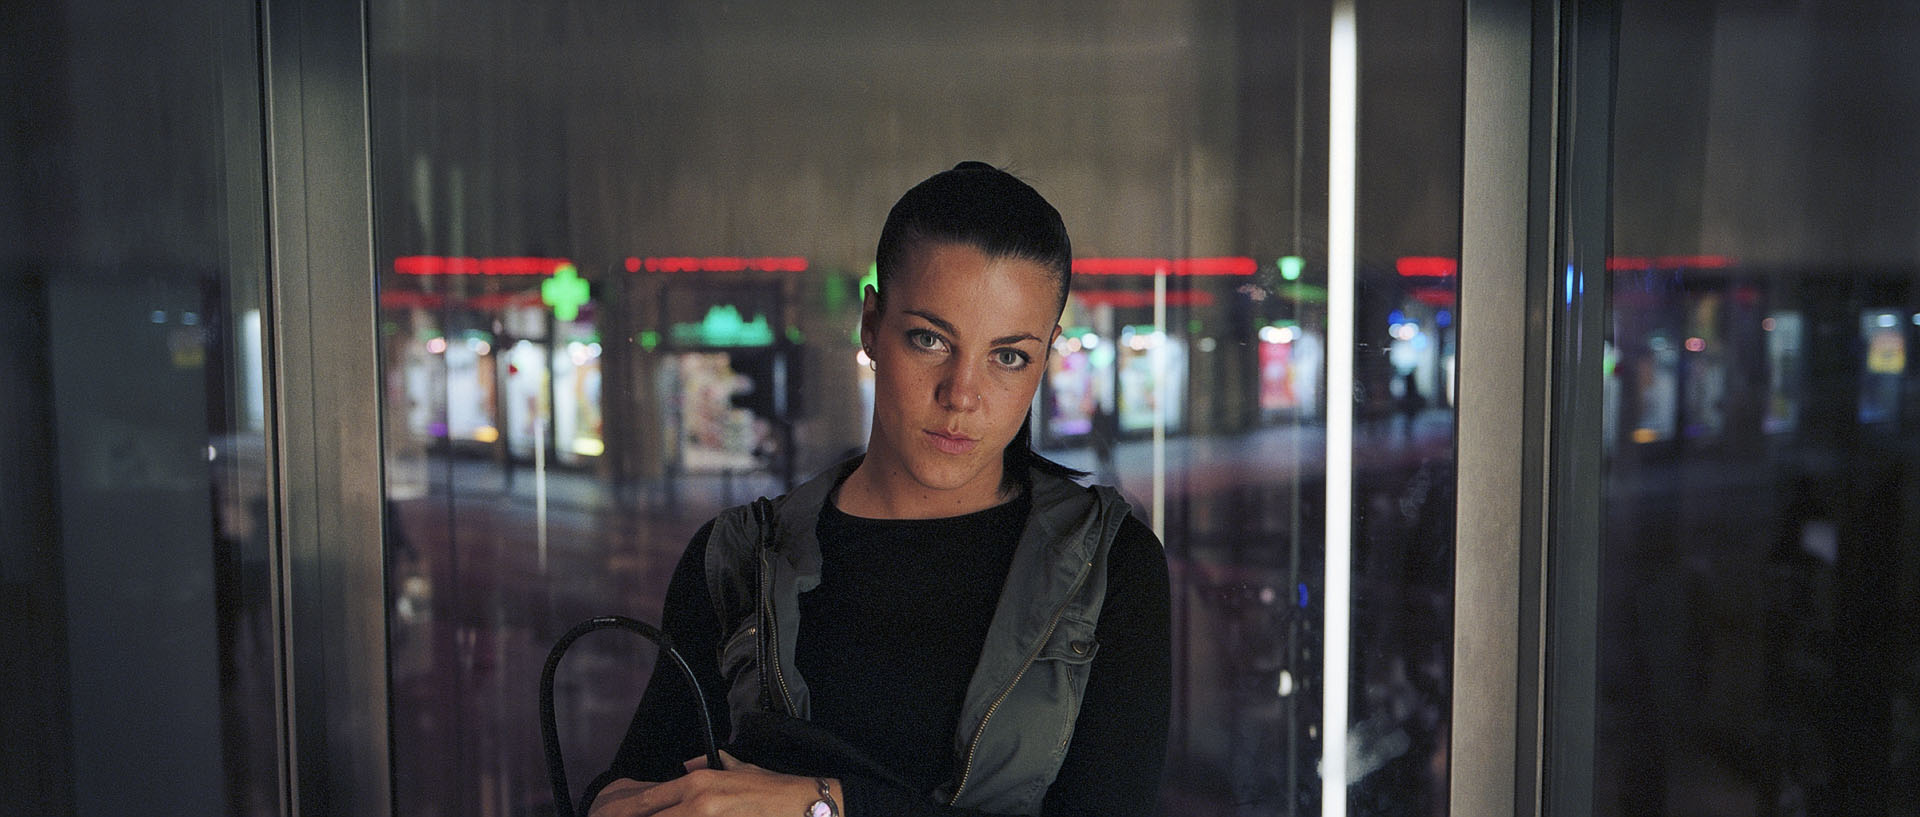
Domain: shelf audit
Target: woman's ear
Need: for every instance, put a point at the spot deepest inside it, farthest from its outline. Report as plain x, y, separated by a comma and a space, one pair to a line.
869, 316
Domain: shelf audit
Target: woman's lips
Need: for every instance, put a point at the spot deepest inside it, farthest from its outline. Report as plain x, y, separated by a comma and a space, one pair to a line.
952, 443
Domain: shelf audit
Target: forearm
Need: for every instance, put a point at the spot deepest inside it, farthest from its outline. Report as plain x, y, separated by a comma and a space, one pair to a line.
740, 788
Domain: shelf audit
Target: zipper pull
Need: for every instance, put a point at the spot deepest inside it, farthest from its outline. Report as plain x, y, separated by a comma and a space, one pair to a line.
763, 516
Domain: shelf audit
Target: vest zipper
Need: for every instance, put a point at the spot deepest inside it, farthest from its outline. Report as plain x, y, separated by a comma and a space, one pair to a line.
973, 745
772, 634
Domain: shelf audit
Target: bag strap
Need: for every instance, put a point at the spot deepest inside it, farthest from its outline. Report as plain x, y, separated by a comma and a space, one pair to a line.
550, 731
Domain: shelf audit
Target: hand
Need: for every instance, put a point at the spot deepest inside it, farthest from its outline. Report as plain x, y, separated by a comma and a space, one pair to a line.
741, 790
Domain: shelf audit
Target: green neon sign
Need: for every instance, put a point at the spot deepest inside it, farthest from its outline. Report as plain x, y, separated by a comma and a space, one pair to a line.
566, 292
1303, 292
1291, 266
723, 326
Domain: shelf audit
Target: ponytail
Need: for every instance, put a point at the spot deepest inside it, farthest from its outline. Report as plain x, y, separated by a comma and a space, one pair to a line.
1020, 456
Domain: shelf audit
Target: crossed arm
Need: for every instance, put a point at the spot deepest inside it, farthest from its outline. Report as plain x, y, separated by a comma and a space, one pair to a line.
1112, 767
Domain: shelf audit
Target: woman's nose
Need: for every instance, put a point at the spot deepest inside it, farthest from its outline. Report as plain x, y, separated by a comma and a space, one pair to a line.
960, 389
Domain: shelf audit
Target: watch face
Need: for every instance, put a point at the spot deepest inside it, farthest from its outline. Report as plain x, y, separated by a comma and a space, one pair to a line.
820, 808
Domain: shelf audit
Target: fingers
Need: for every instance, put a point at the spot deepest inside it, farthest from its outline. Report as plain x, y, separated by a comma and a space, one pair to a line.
742, 790
636, 798
701, 791
727, 761
621, 798
664, 798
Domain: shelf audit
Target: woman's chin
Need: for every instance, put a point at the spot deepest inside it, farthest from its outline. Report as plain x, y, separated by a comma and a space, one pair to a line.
953, 475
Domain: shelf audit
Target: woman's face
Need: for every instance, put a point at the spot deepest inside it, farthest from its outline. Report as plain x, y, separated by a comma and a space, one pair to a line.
958, 354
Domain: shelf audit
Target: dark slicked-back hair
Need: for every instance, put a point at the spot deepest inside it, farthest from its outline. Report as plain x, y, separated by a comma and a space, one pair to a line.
991, 210
984, 207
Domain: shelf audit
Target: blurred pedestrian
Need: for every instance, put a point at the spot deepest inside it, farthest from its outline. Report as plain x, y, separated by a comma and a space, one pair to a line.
1411, 403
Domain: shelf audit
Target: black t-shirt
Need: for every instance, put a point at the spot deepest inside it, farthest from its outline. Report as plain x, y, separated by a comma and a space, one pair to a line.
888, 643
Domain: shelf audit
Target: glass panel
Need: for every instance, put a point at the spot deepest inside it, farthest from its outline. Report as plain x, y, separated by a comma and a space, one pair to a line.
620, 250
134, 513
1761, 570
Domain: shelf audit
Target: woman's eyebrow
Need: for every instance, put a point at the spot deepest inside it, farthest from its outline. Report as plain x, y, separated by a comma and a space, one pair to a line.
936, 320
1012, 339
948, 328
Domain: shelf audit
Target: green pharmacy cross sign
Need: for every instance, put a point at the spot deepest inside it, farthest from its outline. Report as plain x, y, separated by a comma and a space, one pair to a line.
566, 292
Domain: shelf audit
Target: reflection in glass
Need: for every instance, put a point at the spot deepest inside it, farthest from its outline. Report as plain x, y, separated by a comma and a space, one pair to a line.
136, 614
1760, 560
717, 177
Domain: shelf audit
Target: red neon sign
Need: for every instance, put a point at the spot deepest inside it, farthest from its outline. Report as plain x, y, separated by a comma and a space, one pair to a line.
1631, 263
411, 300
1418, 266
442, 265
401, 299
724, 263
1156, 266
503, 300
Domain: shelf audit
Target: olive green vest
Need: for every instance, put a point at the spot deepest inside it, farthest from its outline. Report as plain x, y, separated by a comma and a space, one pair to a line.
1021, 703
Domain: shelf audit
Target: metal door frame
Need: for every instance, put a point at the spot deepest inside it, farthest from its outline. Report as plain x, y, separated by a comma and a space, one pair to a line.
325, 408
1533, 318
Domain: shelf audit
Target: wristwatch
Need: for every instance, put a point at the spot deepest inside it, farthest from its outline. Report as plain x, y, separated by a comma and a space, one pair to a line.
823, 807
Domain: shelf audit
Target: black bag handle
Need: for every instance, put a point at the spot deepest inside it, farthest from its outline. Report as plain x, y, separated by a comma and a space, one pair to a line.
550, 732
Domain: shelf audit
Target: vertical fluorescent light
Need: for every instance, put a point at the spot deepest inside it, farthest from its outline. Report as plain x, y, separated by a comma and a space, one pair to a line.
1161, 402
1342, 139
539, 489
253, 374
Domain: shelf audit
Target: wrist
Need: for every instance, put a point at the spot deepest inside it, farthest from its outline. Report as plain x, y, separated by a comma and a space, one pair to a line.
827, 796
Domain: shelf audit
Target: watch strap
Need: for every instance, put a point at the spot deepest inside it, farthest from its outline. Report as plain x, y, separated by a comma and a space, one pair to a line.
825, 806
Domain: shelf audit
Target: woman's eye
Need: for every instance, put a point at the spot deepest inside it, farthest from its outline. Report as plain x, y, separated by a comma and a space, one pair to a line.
922, 339
1011, 358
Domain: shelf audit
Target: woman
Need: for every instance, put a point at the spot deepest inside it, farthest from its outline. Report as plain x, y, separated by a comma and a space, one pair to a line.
948, 624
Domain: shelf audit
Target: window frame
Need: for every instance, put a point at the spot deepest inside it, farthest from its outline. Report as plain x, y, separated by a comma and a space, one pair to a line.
323, 409
1539, 85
